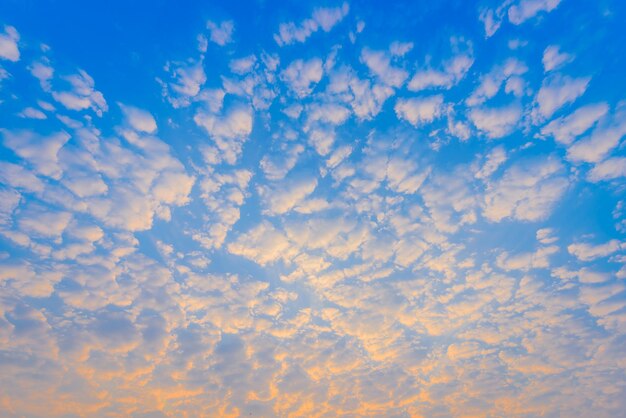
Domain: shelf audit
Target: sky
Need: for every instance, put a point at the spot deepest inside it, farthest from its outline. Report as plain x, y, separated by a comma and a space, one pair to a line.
312, 209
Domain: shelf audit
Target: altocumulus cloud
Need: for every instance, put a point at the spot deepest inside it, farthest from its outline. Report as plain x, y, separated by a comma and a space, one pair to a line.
313, 210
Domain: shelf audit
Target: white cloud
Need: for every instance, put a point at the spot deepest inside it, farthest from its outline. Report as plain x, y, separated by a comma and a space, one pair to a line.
17, 176
82, 95
302, 76
221, 33
602, 140
450, 200
525, 261
491, 83
496, 122
557, 91
494, 159
365, 98
322, 18
545, 236
491, 21
32, 113
327, 18
222, 194
228, 132
589, 252
609, 169
186, 82
84, 185
379, 64
282, 198
400, 49
553, 59
276, 167
264, 245
419, 110
39, 151
8, 44
453, 71
526, 9
526, 191
43, 222
9, 200
172, 188
42, 71
566, 128
139, 119
331, 113
243, 65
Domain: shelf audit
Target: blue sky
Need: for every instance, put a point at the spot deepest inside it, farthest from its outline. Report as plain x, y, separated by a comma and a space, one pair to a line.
321, 209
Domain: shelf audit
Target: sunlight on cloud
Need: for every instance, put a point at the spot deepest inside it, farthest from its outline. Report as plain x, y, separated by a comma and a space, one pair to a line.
313, 210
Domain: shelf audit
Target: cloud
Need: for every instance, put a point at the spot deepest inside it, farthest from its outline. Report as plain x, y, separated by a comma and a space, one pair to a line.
545, 236
379, 64
557, 91
453, 71
223, 195
400, 49
264, 245
229, 132
44, 72
8, 44
464, 350
85, 185
539, 259
507, 74
32, 113
526, 191
364, 97
494, 159
221, 33
82, 94
608, 169
280, 200
17, 176
9, 200
280, 248
324, 18
243, 65
566, 128
302, 76
41, 152
327, 18
139, 119
419, 110
44, 222
330, 113
589, 252
496, 122
450, 201
186, 83
276, 167
491, 19
601, 141
553, 59
526, 9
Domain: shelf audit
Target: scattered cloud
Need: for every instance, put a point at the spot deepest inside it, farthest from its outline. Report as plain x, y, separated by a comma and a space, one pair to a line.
8, 44
258, 226
324, 18
419, 110
221, 33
